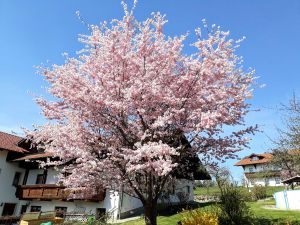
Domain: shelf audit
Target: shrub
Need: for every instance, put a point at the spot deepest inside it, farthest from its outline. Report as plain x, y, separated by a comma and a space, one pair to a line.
233, 207
199, 216
259, 192
246, 195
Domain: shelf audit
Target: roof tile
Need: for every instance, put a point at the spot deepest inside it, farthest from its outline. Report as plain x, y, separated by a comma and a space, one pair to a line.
9, 142
263, 158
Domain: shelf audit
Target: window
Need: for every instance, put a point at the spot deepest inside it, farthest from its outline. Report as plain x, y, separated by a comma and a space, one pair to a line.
16, 179
252, 182
60, 211
41, 179
188, 189
276, 168
277, 180
23, 209
251, 169
267, 181
8, 209
35, 208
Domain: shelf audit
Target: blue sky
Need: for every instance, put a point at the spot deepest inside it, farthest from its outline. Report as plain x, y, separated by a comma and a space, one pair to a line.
35, 31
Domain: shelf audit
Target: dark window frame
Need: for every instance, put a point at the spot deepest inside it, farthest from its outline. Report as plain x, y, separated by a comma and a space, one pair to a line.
34, 208
17, 178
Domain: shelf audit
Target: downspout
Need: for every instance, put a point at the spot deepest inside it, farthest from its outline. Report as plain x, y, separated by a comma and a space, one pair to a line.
120, 203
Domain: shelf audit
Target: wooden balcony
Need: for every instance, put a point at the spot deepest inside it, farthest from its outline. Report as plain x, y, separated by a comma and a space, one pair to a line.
52, 192
263, 174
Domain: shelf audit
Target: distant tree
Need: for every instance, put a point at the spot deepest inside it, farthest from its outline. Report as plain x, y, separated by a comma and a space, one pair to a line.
124, 108
286, 151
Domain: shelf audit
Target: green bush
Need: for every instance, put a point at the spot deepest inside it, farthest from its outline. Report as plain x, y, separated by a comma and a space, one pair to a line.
259, 192
233, 207
246, 195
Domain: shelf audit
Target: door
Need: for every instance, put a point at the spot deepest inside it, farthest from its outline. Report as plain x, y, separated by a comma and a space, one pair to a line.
100, 214
8, 209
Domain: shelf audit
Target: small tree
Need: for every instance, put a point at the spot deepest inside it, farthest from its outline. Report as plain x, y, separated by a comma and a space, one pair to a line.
286, 151
132, 105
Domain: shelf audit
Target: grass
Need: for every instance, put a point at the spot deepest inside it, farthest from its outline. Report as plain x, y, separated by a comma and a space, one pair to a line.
215, 190
167, 219
262, 216
269, 217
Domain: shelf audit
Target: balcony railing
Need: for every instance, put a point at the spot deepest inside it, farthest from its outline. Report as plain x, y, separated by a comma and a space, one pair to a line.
262, 174
52, 191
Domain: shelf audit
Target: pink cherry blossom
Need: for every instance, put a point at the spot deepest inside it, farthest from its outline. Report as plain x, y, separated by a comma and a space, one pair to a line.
130, 93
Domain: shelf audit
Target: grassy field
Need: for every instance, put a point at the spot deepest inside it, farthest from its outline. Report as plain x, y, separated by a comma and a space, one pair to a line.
215, 190
269, 217
261, 216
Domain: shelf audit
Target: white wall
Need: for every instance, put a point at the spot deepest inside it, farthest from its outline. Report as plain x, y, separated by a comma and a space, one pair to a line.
32, 175
259, 168
7, 190
51, 176
129, 203
110, 203
262, 181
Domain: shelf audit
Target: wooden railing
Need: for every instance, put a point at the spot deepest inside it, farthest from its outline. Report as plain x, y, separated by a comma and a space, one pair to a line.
52, 191
262, 174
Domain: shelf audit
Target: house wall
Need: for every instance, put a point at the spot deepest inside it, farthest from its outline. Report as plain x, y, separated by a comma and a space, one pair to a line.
51, 176
32, 175
7, 190
270, 181
110, 203
259, 168
129, 204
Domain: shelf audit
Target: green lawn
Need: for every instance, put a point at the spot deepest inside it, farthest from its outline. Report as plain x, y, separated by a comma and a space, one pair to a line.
261, 216
269, 217
215, 190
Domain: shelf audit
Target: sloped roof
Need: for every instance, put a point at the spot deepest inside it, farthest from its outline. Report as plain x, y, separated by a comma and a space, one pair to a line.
35, 156
291, 180
262, 158
10, 142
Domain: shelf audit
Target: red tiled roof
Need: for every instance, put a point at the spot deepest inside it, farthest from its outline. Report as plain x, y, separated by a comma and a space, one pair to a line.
262, 158
9, 142
35, 156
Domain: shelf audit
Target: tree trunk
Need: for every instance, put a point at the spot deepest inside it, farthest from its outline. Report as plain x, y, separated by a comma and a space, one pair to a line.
150, 210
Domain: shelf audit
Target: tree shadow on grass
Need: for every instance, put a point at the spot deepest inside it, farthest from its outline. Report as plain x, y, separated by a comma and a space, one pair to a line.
265, 221
174, 209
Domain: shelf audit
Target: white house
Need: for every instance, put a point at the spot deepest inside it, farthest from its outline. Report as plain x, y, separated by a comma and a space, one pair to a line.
10, 175
259, 171
24, 187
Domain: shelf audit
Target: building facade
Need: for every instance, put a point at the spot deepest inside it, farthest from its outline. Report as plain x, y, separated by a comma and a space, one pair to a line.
25, 187
259, 171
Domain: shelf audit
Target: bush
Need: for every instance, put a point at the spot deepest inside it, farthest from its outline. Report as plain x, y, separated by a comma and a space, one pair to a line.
259, 192
198, 216
233, 207
246, 195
